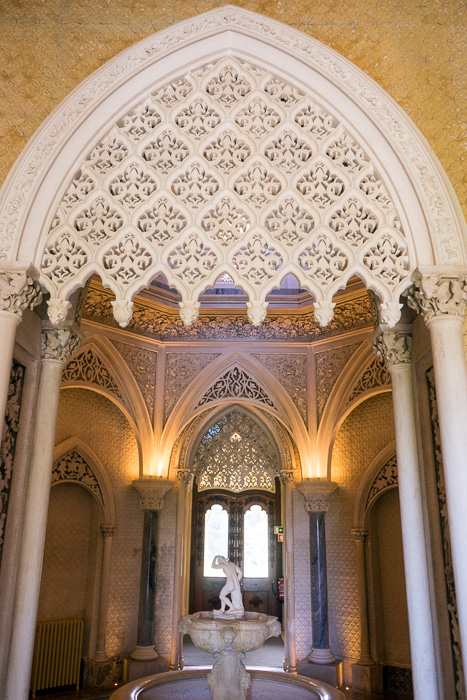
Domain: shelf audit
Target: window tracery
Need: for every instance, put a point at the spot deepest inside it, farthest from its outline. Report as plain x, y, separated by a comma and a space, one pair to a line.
236, 465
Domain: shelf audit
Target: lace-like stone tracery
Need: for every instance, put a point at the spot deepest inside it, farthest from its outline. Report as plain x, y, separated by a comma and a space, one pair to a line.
236, 453
232, 166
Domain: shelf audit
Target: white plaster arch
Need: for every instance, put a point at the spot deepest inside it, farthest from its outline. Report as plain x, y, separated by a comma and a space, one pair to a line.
108, 502
187, 407
432, 220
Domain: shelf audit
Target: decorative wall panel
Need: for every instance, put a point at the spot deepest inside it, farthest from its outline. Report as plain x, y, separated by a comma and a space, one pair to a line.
375, 375
142, 364
291, 372
100, 424
236, 384
48, 48
168, 326
366, 431
7, 449
329, 365
181, 369
384, 479
87, 367
73, 467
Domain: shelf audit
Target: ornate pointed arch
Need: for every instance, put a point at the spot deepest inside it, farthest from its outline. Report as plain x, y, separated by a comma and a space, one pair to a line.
75, 462
255, 388
99, 366
103, 179
183, 453
380, 476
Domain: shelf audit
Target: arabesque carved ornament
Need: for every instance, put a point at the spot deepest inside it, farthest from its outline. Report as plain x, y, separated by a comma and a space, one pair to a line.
394, 346
19, 289
316, 493
300, 195
73, 467
385, 478
152, 492
436, 295
59, 343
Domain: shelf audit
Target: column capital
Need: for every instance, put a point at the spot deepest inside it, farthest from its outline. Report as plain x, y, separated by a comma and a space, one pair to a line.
439, 294
359, 534
152, 492
394, 345
184, 475
19, 288
286, 476
316, 493
58, 343
108, 530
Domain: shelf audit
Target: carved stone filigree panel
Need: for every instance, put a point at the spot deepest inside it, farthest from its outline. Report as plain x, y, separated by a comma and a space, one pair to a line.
181, 369
236, 384
385, 479
74, 467
88, 367
445, 538
291, 372
376, 374
329, 365
355, 313
7, 448
236, 453
231, 131
142, 364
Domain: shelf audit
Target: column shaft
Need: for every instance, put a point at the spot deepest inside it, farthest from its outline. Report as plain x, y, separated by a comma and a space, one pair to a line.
108, 532
148, 582
451, 395
8, 325
396, 346
34, 529
365, 652
319, 584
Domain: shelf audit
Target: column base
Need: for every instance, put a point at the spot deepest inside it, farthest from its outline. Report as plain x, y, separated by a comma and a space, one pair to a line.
332, 673
100, 673
141, 653
133, 669
321, 656
367, 679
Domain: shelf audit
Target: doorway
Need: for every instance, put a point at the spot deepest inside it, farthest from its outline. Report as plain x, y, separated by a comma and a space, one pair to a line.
241, 527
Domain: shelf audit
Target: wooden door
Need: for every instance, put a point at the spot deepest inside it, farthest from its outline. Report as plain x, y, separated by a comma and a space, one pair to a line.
239, 510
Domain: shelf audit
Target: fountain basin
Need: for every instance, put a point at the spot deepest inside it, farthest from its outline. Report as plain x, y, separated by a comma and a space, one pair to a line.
191, 685
209, 633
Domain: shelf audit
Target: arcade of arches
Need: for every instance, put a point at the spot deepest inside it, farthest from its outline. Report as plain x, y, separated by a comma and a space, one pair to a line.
239, 308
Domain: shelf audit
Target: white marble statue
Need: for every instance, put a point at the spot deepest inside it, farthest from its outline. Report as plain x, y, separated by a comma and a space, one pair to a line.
233, 607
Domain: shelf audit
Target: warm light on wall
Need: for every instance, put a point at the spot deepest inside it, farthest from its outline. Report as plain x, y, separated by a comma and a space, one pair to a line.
157, 466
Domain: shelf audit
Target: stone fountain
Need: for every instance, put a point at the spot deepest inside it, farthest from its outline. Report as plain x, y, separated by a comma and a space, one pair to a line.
229, 633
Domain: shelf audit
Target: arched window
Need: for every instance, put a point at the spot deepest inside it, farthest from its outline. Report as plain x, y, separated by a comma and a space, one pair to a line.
216, 538
255, 543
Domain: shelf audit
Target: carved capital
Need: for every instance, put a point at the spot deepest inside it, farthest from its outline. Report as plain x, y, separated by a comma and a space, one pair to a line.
286, 476
359, 534
152, 492
316, 494
108, 530
59, 343
184, 475
394, 346
435, 295
19, 289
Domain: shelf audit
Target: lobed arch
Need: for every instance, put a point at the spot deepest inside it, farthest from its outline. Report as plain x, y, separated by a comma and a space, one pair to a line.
431, 232
187, 408
124, 392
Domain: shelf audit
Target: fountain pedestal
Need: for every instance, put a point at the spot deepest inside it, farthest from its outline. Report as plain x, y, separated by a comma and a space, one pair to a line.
228, 640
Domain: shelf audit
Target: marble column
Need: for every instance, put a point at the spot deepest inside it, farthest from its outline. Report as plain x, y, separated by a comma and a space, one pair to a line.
395, 346
184, 490
19, 290
366, 675
316, 494
108, 532
152, 492
441, 298
57, 344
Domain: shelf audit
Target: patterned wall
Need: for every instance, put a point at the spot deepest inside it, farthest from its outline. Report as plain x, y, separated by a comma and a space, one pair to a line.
67, 572
415, 50
363, 434
101, 425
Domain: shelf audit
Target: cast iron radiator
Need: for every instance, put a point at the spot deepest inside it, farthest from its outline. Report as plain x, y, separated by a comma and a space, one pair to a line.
57, 654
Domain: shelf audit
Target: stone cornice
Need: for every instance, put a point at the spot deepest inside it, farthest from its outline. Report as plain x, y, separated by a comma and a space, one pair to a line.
152, 492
